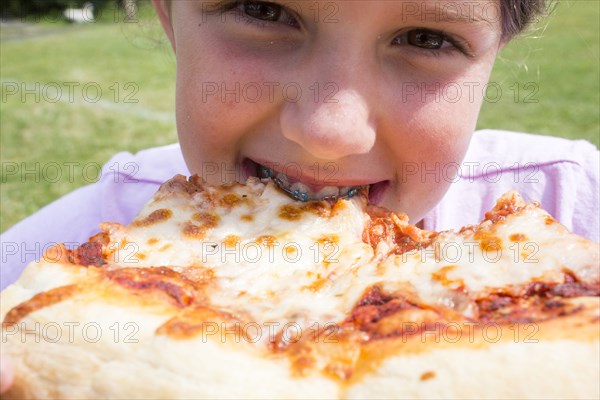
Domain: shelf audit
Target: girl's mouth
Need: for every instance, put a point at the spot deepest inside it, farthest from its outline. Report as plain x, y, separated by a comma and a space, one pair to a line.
308, 189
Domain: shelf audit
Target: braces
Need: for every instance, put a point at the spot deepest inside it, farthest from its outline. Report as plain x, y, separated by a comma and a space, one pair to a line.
265, 173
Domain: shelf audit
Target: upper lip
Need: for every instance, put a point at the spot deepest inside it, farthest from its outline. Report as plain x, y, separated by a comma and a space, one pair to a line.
315, 176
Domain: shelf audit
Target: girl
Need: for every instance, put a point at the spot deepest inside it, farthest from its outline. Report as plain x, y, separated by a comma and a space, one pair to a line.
329, 96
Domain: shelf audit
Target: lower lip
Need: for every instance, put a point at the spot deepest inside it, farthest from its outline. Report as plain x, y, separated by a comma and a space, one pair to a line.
376, 190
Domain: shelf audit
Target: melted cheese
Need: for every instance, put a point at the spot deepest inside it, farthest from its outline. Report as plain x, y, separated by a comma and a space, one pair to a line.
283, 266
276, 261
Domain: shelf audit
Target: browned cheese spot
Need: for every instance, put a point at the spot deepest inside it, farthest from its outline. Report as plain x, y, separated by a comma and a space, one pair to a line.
339, 206
207, 220
488, 241
320, 208
196, 320
290, 251
193, 231
156, 216
198, 274
231, 241
247, 218
329, 239
319, 283
427, 375
329, 245
293, 212
165, 247
267, 240
441, 276
152, 241
230, 200
518, 237
290, 212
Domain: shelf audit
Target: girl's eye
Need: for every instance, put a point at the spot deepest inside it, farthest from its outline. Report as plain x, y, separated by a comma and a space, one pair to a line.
262, 10
429, 40
425, 39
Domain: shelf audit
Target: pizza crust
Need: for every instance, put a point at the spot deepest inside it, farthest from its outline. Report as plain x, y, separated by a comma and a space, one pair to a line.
505, 370
147, 365
562, 369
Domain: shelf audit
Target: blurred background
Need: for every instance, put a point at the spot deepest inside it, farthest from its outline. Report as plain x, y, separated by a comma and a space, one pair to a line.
81, 81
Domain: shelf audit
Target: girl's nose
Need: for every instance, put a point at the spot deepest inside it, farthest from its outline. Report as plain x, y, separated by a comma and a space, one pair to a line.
329, 127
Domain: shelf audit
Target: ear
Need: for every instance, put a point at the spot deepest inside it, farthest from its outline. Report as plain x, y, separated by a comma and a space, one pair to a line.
504, 41
164, 14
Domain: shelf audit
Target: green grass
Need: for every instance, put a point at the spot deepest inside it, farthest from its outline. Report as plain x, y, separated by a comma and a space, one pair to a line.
132, 57
559, 60
550, 79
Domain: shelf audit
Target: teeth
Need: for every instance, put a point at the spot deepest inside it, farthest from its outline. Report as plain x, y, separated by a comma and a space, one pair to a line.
302, 192
282, 180
328, 192
344, 190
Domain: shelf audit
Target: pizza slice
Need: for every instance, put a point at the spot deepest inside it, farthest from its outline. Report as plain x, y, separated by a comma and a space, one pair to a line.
238, 291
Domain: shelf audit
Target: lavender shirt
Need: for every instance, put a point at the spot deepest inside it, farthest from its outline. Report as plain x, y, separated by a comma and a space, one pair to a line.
562, 174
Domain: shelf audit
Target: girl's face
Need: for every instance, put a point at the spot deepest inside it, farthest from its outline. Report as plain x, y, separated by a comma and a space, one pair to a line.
332, 94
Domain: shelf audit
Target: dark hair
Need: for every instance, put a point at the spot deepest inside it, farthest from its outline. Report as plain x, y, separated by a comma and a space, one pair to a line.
517, 15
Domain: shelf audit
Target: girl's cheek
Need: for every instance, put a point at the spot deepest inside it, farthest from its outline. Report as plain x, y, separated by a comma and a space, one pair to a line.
218, 93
